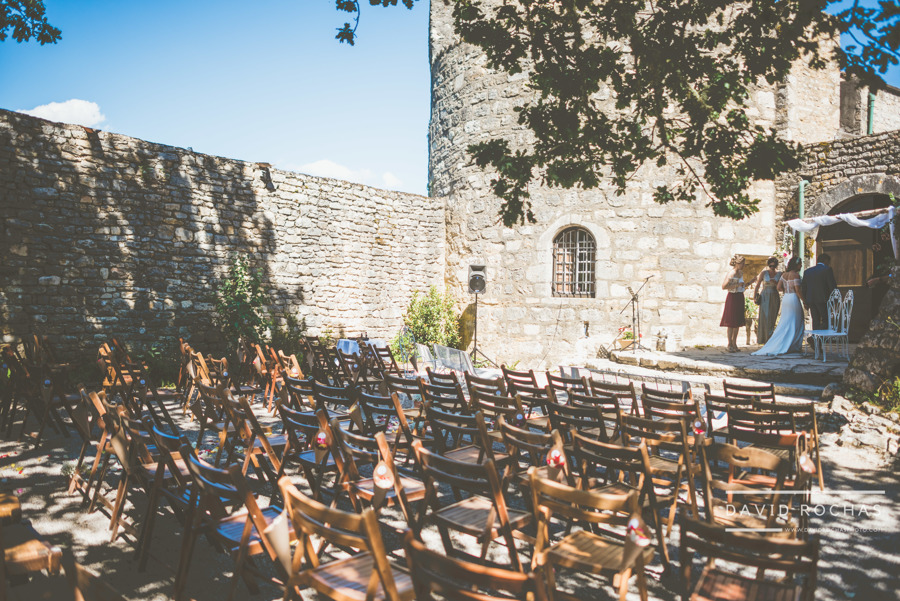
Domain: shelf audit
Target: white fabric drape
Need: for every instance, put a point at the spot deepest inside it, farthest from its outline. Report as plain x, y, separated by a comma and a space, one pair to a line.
811, 224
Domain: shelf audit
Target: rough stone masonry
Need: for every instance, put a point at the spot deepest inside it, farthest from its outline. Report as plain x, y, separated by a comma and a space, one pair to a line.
109, 235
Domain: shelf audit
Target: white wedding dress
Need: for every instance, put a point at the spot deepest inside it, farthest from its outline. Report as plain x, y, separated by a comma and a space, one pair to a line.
788, 334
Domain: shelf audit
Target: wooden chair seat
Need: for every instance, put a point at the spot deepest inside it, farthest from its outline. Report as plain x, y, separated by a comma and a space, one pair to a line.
348, 579
737, 519
10, 509
414, 489
473, 454
470, 516
668, 465
618, 488
589, 552
25, 551
540, 422
716, 584
276, 442
231, 529
308, 458
780, 452
151, 468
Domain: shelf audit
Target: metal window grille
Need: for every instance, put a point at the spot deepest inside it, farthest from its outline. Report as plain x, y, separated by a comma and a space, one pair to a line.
573, 263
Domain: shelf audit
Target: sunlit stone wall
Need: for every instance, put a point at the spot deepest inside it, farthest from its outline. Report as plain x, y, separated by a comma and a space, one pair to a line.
103, 235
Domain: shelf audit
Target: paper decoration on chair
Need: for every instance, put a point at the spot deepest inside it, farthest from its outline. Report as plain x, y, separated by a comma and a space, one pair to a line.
519, 421
806, 464
321, 446
383, 479
556, 461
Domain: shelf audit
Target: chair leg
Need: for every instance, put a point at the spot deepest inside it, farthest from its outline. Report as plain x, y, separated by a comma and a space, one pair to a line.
143, 546
100, 476
187, 551
118, 507
624, 577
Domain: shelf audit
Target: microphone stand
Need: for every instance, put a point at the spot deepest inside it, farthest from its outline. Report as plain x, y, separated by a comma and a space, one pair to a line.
635, 317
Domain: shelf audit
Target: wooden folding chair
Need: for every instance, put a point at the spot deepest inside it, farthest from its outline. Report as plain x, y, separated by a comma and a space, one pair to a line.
610, 409
240, 533
625, 393
385, 414
562, 385
613, 468
456, 579
671, 459
717, 407
449, 398
74, 584
366, 575
533, 449
171, 481
523, 378
763, 392
533, 401
357, 450
301, 429
803, 419
335, 400
747, 504
607, 548
790, 558
493, 405
483, 514
450, 431
299, 394
484, 384
588, 419
442, 379
24, 551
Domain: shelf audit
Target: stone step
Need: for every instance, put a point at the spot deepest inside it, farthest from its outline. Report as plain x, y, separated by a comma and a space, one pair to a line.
699, 378
793, 369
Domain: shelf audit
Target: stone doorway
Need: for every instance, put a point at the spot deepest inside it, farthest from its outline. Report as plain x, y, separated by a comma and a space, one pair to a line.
856, 255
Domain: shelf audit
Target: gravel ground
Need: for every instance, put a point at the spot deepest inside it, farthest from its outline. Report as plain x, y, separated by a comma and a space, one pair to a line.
860, 549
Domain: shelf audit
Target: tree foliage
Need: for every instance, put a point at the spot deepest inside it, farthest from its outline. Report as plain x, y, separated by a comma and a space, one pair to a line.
240, 304
432, 318
618, 84
26, 20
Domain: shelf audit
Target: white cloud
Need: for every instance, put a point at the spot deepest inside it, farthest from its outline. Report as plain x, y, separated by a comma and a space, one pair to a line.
391, 180
80, 112
326, 168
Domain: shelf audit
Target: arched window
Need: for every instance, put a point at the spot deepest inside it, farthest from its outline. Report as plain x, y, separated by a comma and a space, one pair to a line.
573, 263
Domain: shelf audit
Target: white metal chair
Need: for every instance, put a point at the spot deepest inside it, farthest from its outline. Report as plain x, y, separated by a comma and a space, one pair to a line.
839, 311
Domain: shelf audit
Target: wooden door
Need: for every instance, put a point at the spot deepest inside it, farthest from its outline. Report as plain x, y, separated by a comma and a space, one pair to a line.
856, 253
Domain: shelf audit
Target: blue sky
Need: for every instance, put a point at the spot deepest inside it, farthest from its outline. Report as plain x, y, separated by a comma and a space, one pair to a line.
263, 81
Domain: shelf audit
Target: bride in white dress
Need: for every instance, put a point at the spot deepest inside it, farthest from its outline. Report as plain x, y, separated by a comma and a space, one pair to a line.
788, 334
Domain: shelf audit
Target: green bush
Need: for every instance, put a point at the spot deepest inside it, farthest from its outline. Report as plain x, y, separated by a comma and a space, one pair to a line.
432, 318
287, 335
163, 360
240, 300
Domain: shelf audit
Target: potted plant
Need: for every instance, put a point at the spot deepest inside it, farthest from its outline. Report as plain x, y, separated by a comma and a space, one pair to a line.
751, 316
626, 337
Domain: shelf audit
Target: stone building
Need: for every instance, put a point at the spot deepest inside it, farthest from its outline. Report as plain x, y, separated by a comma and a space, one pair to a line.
558, 289
105, 234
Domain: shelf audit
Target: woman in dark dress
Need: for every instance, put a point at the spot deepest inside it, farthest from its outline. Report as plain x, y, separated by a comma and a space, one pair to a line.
733, 316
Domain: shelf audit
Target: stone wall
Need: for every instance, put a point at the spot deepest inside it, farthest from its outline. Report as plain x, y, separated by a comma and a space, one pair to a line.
855, 108
109, 235
837, 171
683, 248
841, 169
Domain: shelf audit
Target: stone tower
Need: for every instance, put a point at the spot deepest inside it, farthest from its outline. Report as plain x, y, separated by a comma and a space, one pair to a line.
682, 248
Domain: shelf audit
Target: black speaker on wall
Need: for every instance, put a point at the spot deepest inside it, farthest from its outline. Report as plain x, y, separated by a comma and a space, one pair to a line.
477, 279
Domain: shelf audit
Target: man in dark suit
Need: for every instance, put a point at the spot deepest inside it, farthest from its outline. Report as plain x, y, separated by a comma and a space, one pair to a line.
817, 285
